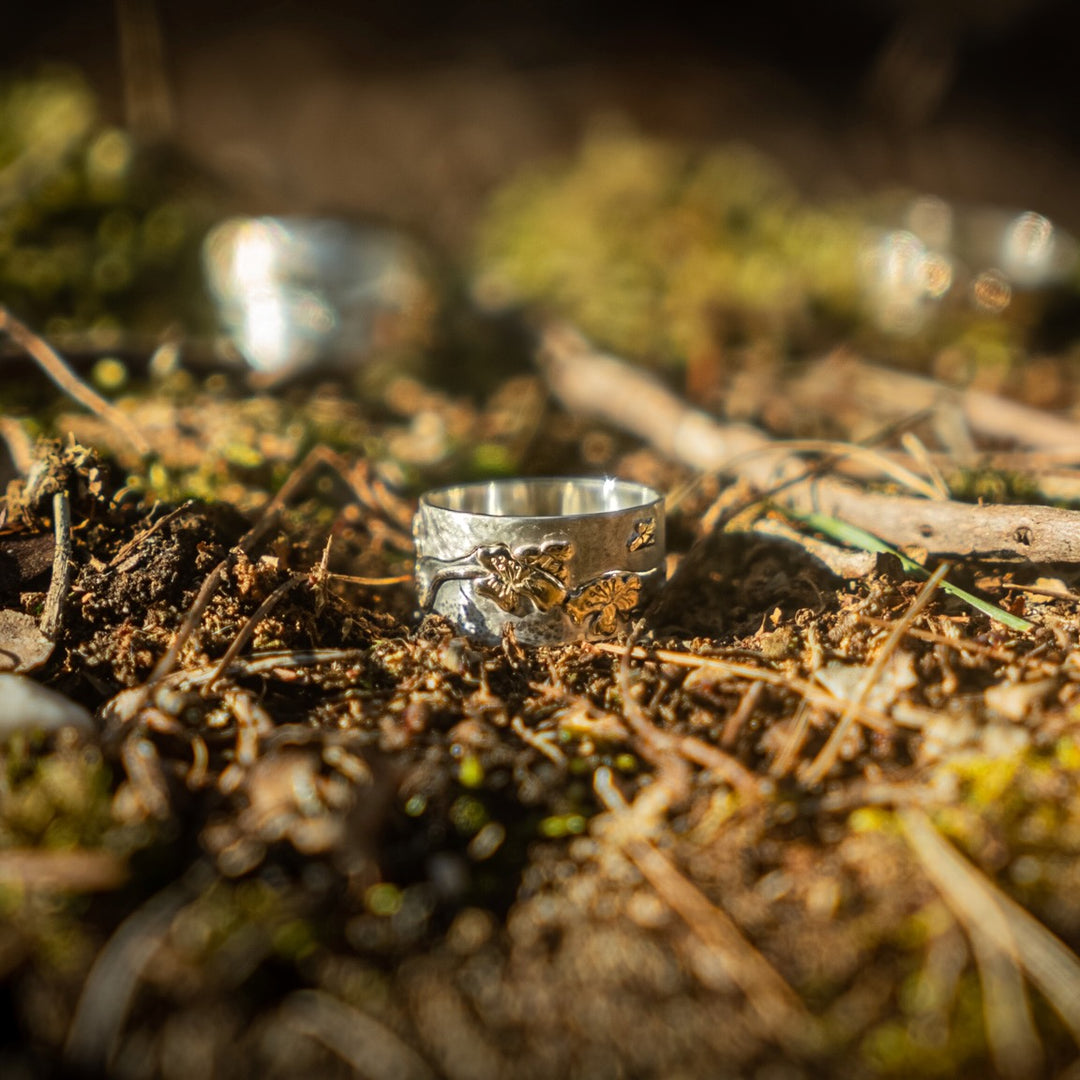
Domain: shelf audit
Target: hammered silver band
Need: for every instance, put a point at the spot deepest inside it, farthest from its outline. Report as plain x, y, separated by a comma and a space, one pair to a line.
560, 559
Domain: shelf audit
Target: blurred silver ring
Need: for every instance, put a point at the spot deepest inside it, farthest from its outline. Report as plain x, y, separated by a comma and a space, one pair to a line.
559, 559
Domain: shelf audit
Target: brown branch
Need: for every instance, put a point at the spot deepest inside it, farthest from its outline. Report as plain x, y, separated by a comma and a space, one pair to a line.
845, 382
589, 382
51, 363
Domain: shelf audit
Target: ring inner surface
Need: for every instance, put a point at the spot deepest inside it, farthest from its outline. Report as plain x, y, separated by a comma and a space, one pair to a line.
555, 497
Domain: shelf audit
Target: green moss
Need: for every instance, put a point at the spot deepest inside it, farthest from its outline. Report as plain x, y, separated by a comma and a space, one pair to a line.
294, 939
57, 799
383, 899
92, 234
871, 819
470, 772
468, 815
1067, 753
560, 825
940, 1035
643, 243
493, 459
993, 486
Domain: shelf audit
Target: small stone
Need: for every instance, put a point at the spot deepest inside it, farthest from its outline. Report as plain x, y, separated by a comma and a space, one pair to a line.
23, 647
26, 705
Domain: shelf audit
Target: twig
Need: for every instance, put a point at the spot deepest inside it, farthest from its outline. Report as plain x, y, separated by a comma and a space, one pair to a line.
538, 742
76, 870
53, 366
244, 633
372, 582
776, 1005
139, 538
958, 644
318, 455
872, 461
814, 694
125, 707
258, 663
743, 711
61, 569
147, 99
726, 767
589, 382
267, 519
820, 766
917, 449
370, 1048
20, 445
1010, 1030
785, 760
1039, 590
668, 749
1048, 962
871, 389
110, 986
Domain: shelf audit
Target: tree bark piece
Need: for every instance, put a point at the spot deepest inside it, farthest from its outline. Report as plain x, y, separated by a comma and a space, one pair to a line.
590, 382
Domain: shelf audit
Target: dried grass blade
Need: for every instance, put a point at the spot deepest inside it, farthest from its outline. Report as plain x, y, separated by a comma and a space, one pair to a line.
49, 360
368, 1046
1046, 959
811, 693
820, 766
852, 535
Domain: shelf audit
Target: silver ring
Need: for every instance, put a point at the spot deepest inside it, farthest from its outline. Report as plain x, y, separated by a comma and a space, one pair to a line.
560, 559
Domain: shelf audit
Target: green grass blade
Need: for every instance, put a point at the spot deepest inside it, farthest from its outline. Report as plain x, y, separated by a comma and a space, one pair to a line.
853, 536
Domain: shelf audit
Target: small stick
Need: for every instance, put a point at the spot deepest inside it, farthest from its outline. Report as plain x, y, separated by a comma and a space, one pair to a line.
826, 758
814, 694
726, 767
76, 870
372, 582
665, 748
139, 538
538, 742
868, 387
369, 1046
244, 633
57, 370
20, 445
778, 1008
148, 103
958, 644
743, 711
873, 460
785, 760
267, 519
61, 568
978, 903
917, 449
109, 989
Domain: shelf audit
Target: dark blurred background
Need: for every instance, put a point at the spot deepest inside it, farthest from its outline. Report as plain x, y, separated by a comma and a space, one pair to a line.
415, 110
